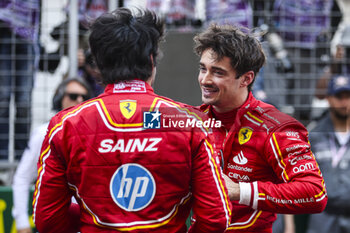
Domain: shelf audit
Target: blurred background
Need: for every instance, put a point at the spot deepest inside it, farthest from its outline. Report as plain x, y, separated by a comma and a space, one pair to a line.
44, 42
297, 37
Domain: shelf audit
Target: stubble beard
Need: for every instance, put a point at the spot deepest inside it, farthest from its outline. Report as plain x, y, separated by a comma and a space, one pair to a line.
343, 117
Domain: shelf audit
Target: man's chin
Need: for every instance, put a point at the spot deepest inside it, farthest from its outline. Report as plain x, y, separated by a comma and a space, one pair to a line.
341, 115
208, 101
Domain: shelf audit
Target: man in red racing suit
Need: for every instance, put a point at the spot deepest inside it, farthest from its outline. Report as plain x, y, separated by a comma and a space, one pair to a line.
114, 155
266, 154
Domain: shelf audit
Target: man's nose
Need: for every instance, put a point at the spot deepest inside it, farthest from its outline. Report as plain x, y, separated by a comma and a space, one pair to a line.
206, 78
80, 99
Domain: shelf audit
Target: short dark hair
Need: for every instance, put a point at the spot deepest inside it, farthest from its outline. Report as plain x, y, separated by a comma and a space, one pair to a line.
122, 44
243, 49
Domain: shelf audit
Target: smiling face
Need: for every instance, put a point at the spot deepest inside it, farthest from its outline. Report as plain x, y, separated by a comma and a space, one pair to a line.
219, 83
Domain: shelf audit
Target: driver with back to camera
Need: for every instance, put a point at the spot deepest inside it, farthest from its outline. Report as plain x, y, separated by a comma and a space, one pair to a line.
126, 171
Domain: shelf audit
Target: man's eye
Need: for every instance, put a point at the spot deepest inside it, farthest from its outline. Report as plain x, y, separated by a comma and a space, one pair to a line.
202, 69
219, 73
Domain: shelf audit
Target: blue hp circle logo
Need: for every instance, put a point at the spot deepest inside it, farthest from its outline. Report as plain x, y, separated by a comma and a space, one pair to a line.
132, 187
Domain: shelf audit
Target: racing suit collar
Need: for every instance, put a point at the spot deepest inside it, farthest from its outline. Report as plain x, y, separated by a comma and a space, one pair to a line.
135, 86
241, 110
209, 108
226, 118
248, 104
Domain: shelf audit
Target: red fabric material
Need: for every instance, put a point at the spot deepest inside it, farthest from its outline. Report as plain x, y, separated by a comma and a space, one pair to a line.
87, 144
272, 148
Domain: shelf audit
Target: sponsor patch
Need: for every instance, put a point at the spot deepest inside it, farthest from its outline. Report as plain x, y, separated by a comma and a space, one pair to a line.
292, 134
240, 159
128, 108
239, 177
295, 160
303, 167
244, 135
133, 86
239, 168
297, 146
267, 128
272, 118
132, 187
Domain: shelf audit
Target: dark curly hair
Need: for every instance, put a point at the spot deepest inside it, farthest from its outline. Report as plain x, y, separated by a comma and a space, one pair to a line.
125, 44
243, 49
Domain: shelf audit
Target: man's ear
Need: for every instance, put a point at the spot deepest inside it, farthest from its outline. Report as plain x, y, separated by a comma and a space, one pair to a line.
247, 78
151, 56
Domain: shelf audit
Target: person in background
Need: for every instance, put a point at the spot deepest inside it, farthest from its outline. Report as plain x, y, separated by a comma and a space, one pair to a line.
305, 28
284, 223
89, 71
88, 10
339, 62
342, 25
178, 14
234, 12
267, 160
330, 141
126, 170
19, 49
69, 93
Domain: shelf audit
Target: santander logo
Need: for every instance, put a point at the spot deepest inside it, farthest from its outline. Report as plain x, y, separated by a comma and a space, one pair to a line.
240, 159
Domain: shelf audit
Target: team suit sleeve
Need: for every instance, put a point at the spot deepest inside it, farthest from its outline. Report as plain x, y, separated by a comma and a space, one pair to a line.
298, 186
52, 208
211, 205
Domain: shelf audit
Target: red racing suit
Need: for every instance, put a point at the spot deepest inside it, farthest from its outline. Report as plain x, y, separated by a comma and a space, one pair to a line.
268, 153
127, 169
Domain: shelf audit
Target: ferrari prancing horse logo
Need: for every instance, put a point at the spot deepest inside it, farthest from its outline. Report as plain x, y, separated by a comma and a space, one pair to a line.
244, 135
128, 108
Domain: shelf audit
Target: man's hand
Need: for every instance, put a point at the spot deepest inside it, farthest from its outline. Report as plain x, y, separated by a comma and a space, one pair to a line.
289, 225
24, 230
233, 188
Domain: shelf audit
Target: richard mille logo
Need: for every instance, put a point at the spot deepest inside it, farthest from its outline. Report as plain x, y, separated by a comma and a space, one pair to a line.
240, 159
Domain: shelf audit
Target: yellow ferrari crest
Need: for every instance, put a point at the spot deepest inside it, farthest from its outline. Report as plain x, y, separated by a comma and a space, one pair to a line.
244, 135
128, 108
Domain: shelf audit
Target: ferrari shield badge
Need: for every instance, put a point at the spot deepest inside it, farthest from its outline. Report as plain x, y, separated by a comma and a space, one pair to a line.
244, 135
128, 108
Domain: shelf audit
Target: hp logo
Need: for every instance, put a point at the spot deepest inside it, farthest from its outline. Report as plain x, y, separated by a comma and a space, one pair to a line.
132, 187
